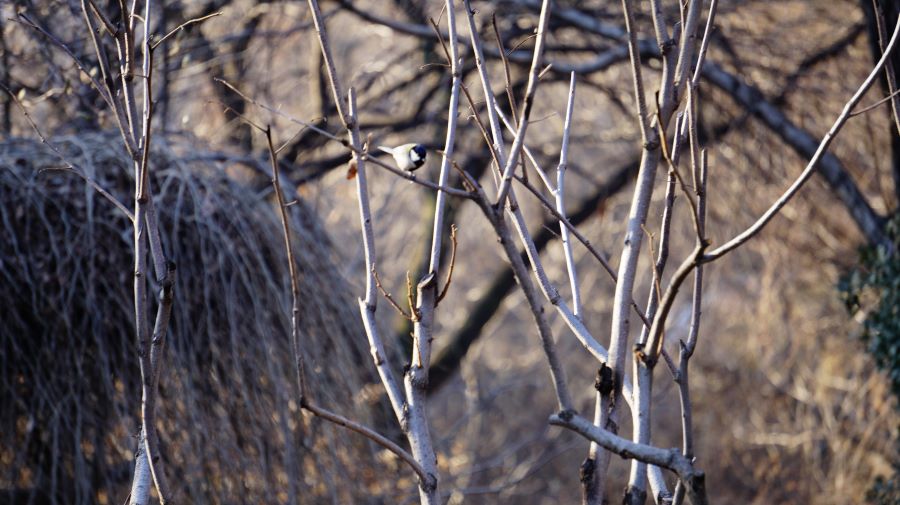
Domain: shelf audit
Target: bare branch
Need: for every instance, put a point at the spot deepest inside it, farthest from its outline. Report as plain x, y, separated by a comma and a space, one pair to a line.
69, 167
560, 200
353, 149
371, 435
637, 79
665, 458
890, 76
875, 105
687, 349
704, 44
145, 214
411, 298
182, 26
305, 399
292, 269
813, 162
531, 88
650, 352
686, 49
452, 264
528, 154
548, 205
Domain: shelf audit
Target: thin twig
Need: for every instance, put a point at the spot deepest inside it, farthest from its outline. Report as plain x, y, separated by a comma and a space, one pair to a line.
510, 95
292, 269
452, 265
673, 169
689, 25
69, 167
349, 145
876, 104
182, 26
92, 183
505, 63
388, 296
105, 92
698, 273
634, 55
530, 89
371, 435
704, 44
890, 76
651, 351
107, 24
411, 297
465, 90
656, 290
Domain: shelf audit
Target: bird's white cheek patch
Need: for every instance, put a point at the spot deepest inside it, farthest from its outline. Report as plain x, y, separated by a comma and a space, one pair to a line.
414, 156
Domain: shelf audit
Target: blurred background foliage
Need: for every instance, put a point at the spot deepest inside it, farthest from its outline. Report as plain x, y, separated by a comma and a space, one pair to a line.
872, 295
789, 407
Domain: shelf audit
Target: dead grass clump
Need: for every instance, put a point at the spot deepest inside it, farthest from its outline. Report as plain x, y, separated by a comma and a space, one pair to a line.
69, 380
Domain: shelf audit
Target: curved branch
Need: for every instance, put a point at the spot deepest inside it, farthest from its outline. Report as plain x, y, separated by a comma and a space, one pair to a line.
869, 222
693, 479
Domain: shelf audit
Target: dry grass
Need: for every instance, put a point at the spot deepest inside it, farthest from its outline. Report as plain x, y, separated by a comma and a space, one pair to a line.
70, 384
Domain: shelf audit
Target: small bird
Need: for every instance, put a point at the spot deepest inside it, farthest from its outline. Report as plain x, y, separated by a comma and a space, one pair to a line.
408, 156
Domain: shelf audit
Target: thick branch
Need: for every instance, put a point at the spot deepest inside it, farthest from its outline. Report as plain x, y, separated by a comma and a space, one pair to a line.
695, 480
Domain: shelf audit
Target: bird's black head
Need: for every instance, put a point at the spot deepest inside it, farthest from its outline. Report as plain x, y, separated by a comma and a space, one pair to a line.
417, 155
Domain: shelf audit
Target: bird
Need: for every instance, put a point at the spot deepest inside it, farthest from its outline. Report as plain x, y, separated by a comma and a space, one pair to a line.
408, 157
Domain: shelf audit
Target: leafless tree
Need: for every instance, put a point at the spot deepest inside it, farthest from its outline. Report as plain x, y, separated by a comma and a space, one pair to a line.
682, 67
673, 139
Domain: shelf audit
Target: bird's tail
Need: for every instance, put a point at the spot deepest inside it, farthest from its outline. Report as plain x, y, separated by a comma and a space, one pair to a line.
386, 149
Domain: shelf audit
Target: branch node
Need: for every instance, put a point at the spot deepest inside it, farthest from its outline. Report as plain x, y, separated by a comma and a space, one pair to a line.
430, 484
667, 45
605, 382
587, 469
429, 281
567, 415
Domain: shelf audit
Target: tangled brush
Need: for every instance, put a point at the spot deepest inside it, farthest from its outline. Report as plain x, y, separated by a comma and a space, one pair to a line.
230, 428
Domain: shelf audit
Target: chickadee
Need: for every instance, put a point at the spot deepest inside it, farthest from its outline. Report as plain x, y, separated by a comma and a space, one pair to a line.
408, 156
